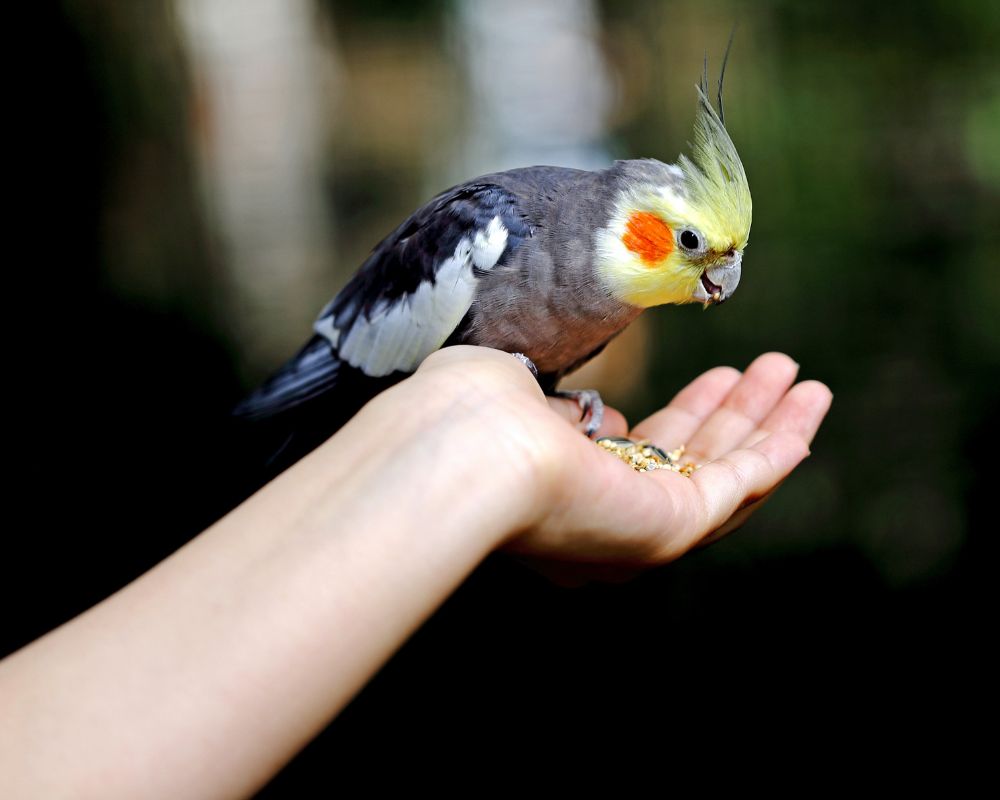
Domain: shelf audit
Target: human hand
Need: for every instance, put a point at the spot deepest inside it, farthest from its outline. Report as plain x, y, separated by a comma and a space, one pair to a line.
748, 431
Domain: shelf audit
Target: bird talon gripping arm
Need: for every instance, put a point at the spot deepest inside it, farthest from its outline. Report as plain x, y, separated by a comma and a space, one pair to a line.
547, 262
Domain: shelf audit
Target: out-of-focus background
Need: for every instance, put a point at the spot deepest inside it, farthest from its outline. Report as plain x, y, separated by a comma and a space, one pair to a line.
198, 177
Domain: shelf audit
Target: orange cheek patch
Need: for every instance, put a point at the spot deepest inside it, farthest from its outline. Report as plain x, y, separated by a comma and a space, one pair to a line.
648, 237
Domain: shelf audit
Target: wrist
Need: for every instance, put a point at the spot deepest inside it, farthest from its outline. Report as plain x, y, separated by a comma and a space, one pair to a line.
468, 456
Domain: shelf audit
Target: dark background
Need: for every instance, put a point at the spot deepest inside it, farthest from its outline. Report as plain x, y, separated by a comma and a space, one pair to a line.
871, 136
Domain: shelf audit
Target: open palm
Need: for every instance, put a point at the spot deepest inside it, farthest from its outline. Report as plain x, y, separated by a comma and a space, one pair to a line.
748, 431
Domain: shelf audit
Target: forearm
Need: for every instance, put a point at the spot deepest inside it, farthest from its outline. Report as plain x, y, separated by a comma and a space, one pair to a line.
208, 673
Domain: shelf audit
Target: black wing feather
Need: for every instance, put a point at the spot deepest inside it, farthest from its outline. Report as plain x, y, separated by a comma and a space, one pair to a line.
407, 257
412, 253
309, 374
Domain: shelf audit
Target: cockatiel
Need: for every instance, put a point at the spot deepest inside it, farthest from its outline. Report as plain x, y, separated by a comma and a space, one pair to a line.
546, 262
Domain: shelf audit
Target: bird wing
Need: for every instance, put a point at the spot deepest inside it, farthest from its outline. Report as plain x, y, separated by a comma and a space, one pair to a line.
408, 297
415, 288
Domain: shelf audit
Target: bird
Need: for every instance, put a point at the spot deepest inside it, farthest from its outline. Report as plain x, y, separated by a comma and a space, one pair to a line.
547, 263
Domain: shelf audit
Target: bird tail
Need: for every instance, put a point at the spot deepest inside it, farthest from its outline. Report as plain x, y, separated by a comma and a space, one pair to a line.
308, 375
287, 416
298, 408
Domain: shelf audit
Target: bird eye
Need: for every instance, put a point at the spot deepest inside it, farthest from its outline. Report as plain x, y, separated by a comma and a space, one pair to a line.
690, 240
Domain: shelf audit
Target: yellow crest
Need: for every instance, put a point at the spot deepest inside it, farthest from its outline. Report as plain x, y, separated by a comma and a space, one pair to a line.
715, 177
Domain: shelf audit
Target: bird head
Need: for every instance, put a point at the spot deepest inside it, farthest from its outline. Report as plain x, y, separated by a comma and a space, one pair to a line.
677, 232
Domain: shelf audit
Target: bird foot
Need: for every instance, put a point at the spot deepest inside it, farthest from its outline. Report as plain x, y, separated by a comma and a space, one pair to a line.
590, 402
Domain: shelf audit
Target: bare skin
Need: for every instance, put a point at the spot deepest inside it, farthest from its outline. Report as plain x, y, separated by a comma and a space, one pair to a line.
207, 674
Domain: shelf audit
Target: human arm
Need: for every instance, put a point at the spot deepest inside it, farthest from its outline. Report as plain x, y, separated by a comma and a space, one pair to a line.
207, 674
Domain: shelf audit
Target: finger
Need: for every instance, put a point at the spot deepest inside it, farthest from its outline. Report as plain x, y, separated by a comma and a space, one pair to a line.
759, 390
613, 424
800, 412
676, 423
722, 487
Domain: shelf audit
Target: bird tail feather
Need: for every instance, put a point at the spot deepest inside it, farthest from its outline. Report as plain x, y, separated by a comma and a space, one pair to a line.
311, 373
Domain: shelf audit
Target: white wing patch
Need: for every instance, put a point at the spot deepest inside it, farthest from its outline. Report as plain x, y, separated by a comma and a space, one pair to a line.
398, 335
488, 246
324, 327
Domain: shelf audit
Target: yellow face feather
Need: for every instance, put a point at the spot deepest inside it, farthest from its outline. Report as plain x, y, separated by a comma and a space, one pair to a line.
676, 240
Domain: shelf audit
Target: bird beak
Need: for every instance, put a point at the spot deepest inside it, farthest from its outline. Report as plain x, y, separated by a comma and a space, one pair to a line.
718, 282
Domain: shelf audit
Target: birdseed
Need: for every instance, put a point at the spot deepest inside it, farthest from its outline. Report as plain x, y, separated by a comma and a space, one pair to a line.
643, 456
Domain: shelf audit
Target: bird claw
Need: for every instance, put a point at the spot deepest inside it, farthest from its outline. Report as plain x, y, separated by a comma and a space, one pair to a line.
527, 362
590, 402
